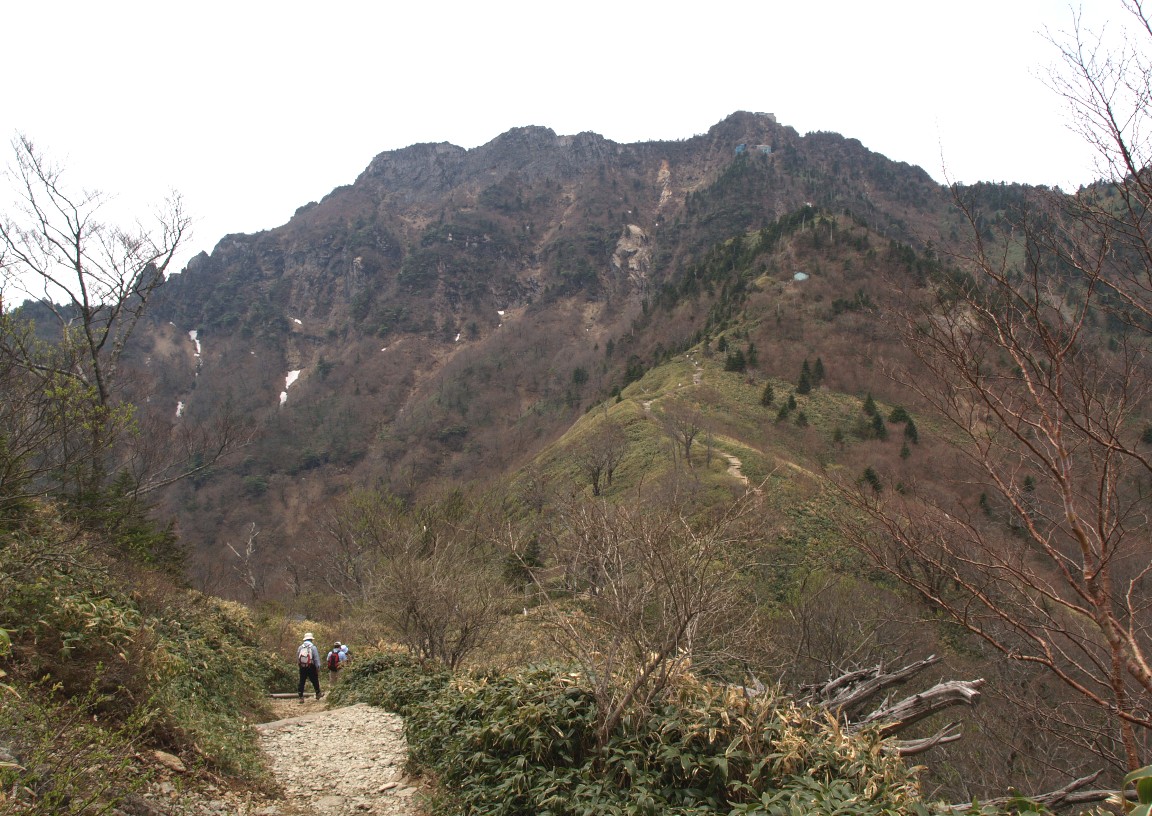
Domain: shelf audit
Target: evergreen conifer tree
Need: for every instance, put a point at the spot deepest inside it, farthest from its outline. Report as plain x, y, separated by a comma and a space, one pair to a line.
804, 384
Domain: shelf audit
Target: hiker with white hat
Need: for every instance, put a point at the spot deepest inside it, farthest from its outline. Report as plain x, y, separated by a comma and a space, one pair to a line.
308, 659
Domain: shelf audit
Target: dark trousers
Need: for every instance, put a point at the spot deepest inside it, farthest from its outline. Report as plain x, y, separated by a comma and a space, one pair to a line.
309, 673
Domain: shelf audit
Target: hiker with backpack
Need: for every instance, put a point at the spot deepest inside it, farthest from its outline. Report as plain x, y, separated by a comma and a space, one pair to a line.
308, 659
335, 661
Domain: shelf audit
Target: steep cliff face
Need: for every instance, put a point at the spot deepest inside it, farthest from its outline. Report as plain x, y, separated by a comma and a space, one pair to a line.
428, 321
529, 213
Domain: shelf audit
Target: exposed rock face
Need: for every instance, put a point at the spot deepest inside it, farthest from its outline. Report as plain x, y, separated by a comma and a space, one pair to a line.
633, 256
417, 174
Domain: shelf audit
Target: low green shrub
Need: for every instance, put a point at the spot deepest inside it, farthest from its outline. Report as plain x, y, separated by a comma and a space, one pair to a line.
57, 758
393, 681
524, 743
205, 680
181, 668
60, 605
507, 744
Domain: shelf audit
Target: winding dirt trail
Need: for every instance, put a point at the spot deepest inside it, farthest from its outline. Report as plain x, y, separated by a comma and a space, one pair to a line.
735, 468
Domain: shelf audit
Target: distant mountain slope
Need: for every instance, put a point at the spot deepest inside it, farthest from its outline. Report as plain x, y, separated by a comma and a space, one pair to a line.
452, 311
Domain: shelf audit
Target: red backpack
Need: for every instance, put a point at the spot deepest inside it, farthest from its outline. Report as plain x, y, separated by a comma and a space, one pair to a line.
333, 660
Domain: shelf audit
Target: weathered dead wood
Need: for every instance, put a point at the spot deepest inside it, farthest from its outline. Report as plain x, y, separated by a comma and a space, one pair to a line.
891, 718
949, 733
825, 692
849, 690
852, 689
843, 693
1070, 794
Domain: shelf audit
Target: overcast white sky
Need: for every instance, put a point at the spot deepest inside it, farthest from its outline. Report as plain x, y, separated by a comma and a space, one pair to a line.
251, 109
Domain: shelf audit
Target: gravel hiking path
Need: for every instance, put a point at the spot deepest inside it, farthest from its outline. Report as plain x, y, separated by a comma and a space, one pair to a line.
326, 762
337, 762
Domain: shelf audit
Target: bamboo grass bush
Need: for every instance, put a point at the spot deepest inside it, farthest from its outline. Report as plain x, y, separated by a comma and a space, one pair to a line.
525, 743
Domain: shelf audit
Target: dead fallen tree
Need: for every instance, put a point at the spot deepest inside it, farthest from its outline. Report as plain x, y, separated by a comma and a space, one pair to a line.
1067, 796
849, 695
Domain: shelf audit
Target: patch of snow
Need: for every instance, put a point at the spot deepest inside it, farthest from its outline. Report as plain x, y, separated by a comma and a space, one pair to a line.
180, 408
800, 276
298, 321
194, 334
384, 349
457, 340
291, 377
500, 312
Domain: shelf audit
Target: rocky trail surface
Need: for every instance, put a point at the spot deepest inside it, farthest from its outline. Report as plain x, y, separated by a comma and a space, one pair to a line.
343, 761
326, 762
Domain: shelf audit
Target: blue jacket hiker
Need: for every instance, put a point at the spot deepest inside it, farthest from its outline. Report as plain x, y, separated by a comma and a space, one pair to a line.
308, 659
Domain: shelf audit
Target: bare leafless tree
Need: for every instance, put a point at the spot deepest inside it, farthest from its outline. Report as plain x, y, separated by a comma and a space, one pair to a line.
683, 422
361, 530
432, 574
95, 280
652, 591
1038, 356
56, 248
600, 452
442, 604
441, 589
536, 488
159, 454
252, 574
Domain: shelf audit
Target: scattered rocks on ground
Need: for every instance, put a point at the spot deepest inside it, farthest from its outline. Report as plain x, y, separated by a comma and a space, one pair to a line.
338, 762
169, 761
344, 761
